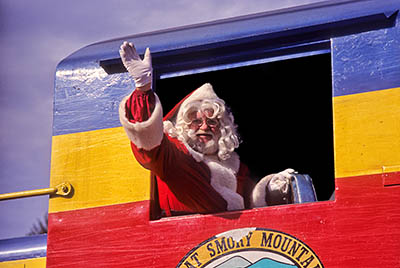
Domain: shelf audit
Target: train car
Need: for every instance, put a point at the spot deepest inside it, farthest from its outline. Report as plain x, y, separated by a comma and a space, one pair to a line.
315, 88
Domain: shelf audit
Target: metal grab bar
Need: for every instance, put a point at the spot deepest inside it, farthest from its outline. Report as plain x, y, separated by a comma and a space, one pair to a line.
63, 189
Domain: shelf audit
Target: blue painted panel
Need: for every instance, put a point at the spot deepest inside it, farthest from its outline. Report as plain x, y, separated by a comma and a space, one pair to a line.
86, 98
367, 61
23, 248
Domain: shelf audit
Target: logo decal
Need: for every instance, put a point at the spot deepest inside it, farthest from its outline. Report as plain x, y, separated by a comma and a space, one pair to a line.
251, 248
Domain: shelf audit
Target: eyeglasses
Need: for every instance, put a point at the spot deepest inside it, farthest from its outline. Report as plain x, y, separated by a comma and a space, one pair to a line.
198, 122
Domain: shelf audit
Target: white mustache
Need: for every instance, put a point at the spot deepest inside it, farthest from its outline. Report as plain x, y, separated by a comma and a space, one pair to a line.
202, 132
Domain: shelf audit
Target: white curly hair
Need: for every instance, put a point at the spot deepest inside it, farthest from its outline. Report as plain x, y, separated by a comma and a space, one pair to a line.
229, 139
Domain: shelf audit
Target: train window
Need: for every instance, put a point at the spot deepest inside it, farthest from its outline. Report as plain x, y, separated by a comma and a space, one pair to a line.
283, 110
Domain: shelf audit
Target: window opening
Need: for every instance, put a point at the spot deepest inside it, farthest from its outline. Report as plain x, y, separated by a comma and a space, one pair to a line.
283, 110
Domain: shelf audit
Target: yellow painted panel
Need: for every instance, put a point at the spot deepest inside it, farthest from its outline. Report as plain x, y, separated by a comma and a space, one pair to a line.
367, 133
25, 263
101, 168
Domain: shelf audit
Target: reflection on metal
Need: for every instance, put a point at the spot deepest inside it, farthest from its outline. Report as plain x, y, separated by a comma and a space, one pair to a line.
303, 189
63, 189
322, 49
23, 248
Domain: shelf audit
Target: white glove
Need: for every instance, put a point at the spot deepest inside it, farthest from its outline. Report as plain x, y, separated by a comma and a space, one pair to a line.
271, 183
281, 181
140, 70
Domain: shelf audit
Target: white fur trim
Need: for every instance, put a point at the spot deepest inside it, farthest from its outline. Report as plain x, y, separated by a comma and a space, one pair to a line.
196, 155
224, 181
147, 134
205, 92
223, 176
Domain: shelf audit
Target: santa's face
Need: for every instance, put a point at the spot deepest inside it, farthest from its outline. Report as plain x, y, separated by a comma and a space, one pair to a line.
205, 132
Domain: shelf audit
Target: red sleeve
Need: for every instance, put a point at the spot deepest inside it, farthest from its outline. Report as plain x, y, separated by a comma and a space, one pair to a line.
140, 105
245, 184
188, 181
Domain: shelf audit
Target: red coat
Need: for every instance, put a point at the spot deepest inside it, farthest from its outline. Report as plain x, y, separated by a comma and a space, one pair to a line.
183, 183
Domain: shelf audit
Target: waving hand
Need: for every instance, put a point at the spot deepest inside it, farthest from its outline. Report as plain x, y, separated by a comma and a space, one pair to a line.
140, 70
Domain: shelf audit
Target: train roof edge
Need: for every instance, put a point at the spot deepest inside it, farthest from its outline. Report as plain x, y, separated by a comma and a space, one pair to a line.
240, 27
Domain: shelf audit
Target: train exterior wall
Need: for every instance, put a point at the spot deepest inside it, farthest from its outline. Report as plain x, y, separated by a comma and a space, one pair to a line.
107, 222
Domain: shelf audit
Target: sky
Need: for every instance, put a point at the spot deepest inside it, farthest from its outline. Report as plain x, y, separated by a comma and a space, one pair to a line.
34, 37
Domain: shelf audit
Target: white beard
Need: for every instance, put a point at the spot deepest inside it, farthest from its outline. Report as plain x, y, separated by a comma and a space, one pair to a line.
209, 148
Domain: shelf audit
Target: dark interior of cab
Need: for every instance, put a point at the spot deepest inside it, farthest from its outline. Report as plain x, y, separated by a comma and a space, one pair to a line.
283, 110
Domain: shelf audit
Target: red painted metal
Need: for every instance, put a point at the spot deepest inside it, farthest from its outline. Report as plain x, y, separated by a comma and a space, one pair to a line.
359, 229
391, 179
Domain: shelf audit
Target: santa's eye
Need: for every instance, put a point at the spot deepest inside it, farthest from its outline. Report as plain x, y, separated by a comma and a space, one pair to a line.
197, 122
211, 122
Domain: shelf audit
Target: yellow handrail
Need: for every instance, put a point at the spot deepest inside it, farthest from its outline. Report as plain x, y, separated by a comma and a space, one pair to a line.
63, 189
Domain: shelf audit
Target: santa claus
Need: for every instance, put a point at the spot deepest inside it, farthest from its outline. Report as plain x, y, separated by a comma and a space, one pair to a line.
192, 150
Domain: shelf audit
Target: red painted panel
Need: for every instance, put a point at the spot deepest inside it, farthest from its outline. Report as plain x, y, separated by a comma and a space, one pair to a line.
391, 179
359, 229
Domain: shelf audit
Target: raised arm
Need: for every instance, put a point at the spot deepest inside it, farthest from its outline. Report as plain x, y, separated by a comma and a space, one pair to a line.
140, 113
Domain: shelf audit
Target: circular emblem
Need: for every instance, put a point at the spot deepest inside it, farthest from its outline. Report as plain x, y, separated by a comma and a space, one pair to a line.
251, 248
